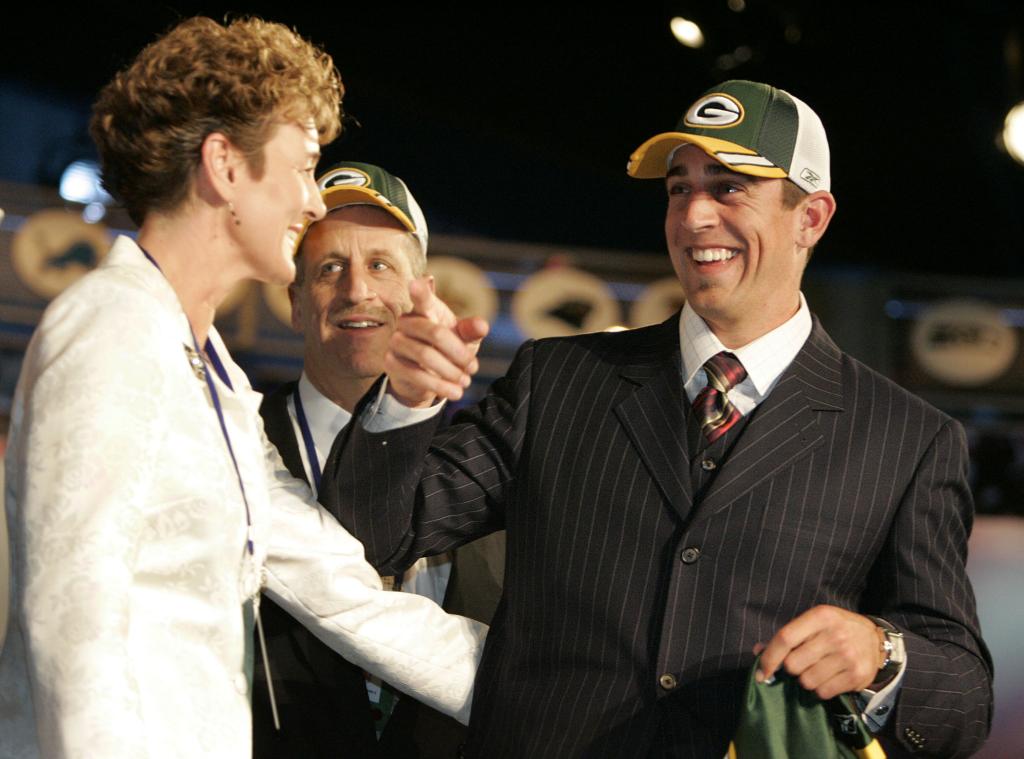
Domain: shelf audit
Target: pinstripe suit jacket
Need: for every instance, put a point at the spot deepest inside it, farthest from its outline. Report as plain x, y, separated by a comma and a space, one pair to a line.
842, 489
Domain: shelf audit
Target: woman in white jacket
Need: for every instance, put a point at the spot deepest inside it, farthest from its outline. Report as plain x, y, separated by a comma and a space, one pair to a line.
146, 507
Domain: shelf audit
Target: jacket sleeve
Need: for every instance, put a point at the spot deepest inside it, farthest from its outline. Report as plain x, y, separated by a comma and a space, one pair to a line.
415, 491
316, 570
920, 585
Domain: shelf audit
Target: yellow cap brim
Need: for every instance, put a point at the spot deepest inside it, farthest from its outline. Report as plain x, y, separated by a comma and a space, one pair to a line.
650, 160
352, 195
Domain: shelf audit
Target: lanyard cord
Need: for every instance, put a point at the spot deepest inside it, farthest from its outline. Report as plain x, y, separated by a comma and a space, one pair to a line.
307, 440
218, 366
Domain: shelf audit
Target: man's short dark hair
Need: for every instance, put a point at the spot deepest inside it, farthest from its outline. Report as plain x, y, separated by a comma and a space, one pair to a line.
791, 195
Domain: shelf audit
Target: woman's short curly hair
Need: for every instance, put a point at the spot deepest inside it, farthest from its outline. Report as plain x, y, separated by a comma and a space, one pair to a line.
241, 78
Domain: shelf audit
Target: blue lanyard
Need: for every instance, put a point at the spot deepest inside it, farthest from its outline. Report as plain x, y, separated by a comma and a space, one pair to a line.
218, 367
307, 440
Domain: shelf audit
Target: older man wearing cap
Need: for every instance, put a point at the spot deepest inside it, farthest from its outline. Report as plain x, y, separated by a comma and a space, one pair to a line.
353, 270
682, 497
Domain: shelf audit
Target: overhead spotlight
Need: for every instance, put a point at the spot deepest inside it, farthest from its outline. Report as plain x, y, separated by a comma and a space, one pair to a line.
737, 6
80, 183
1013, 132
687, 32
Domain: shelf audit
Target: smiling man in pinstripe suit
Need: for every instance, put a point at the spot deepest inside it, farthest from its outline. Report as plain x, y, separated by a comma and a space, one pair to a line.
681, 497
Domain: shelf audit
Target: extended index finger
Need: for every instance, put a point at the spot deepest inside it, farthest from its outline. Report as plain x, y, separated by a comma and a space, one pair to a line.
433, 347
421, 294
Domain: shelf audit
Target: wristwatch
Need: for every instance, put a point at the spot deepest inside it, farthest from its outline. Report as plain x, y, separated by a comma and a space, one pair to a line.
894, 649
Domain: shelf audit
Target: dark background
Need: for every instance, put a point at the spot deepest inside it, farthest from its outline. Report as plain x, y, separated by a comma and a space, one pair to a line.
516, 122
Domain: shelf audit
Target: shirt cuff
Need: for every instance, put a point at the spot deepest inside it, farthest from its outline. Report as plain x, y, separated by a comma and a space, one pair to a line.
386, 413
877, 706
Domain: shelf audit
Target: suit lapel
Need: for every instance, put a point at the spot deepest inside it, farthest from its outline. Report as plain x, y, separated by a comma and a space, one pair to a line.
784, 428
652, 415
278, 426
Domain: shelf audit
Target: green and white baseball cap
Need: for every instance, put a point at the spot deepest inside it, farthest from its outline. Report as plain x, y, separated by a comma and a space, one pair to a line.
750, 127
363, 184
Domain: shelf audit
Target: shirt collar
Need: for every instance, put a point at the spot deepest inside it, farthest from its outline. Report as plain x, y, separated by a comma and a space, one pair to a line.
765, 359
325, 417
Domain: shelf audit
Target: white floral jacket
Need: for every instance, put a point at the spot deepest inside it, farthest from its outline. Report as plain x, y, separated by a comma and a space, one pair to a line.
129, 558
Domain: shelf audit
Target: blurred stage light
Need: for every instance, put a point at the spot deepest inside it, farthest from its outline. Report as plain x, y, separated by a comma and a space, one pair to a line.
1013, 133
80, 183
94, 212
729, 61
738, 6
687, 32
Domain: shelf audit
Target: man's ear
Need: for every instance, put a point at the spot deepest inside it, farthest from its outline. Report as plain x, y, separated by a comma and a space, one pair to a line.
220, 164
815, 213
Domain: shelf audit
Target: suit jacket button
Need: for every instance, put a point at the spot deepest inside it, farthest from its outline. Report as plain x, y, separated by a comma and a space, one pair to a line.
708, 464
689, 555
668, 682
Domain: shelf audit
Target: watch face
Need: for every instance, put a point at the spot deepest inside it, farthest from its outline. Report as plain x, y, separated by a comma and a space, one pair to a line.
894, 652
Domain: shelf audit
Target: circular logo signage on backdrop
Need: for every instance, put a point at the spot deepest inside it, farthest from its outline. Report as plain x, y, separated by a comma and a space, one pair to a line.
53, 249
463, 286
564, 301
964, 343
658, 301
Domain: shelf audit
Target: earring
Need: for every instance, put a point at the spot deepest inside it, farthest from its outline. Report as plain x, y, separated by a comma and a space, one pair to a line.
234, 216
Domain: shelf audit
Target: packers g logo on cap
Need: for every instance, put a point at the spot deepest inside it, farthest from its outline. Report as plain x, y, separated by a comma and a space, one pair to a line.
347, 176
715, 111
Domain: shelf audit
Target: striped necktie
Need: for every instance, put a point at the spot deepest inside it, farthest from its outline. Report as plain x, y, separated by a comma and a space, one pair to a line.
714, 410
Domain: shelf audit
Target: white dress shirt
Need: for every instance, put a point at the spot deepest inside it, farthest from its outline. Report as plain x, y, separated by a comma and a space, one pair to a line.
765, 359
